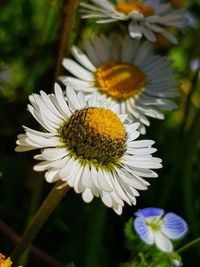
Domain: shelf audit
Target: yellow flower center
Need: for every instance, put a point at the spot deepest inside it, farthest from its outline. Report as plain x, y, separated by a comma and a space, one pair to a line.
96, 135
137, 5
154, 223
120, 80
106, 123
5, 262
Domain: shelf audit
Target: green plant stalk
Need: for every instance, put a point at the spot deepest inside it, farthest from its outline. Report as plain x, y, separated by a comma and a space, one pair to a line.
33, 207
189, 245
69, 15
188, 102
95, 232
182, 154
47, 207
191, 142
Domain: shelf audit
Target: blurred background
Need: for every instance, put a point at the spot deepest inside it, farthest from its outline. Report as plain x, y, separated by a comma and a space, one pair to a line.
79, 234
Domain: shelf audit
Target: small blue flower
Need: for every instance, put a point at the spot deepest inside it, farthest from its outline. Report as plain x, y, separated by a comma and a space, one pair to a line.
154, 227
176, 263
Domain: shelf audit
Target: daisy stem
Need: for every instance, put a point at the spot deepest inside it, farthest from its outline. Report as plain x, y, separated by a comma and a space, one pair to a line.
33, 207
69, 10
189, 245
47, 207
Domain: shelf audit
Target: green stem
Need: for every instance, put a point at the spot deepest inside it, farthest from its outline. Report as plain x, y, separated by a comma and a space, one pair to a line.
47, 207
188, 101
94, 257
191, 142
189, 245
154, 263
33, 207
69, 15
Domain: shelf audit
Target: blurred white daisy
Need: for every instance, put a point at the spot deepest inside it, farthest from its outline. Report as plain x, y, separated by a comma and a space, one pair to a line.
154, 227
87, 145
146, 17
126, 72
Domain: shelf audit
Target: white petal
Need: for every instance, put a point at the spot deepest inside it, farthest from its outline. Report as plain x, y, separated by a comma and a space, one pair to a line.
87, 195
86, 177
135, 30
77, 70
82, 58
92, 54
143, 52
54, 153
51, 176
72, 98
162, 242
106, 198
103, 181
148, 34
129, 49
102, 49
118, 209
61, 101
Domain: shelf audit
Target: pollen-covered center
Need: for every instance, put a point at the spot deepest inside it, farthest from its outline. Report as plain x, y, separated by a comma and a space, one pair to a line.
95, 134
137, 5
120, 80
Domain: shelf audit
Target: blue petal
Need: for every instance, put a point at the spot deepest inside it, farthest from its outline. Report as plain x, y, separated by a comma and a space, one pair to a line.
150, 212
144, 231
174, 227
176, 263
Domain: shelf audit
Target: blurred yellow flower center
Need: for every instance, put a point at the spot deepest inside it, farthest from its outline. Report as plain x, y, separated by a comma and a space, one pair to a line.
5, 262
179, 3
137, 5
120, 80
105, 122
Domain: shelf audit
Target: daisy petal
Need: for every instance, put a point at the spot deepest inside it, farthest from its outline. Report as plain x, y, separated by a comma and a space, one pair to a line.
77, 70
82, 58
135, 30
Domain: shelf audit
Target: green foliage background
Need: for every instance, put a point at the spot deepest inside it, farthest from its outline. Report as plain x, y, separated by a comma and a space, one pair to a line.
80, 234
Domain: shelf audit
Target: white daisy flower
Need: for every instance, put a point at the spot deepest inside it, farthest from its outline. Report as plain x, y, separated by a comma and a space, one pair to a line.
87, 145
154, 227
126, 72
146, 17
